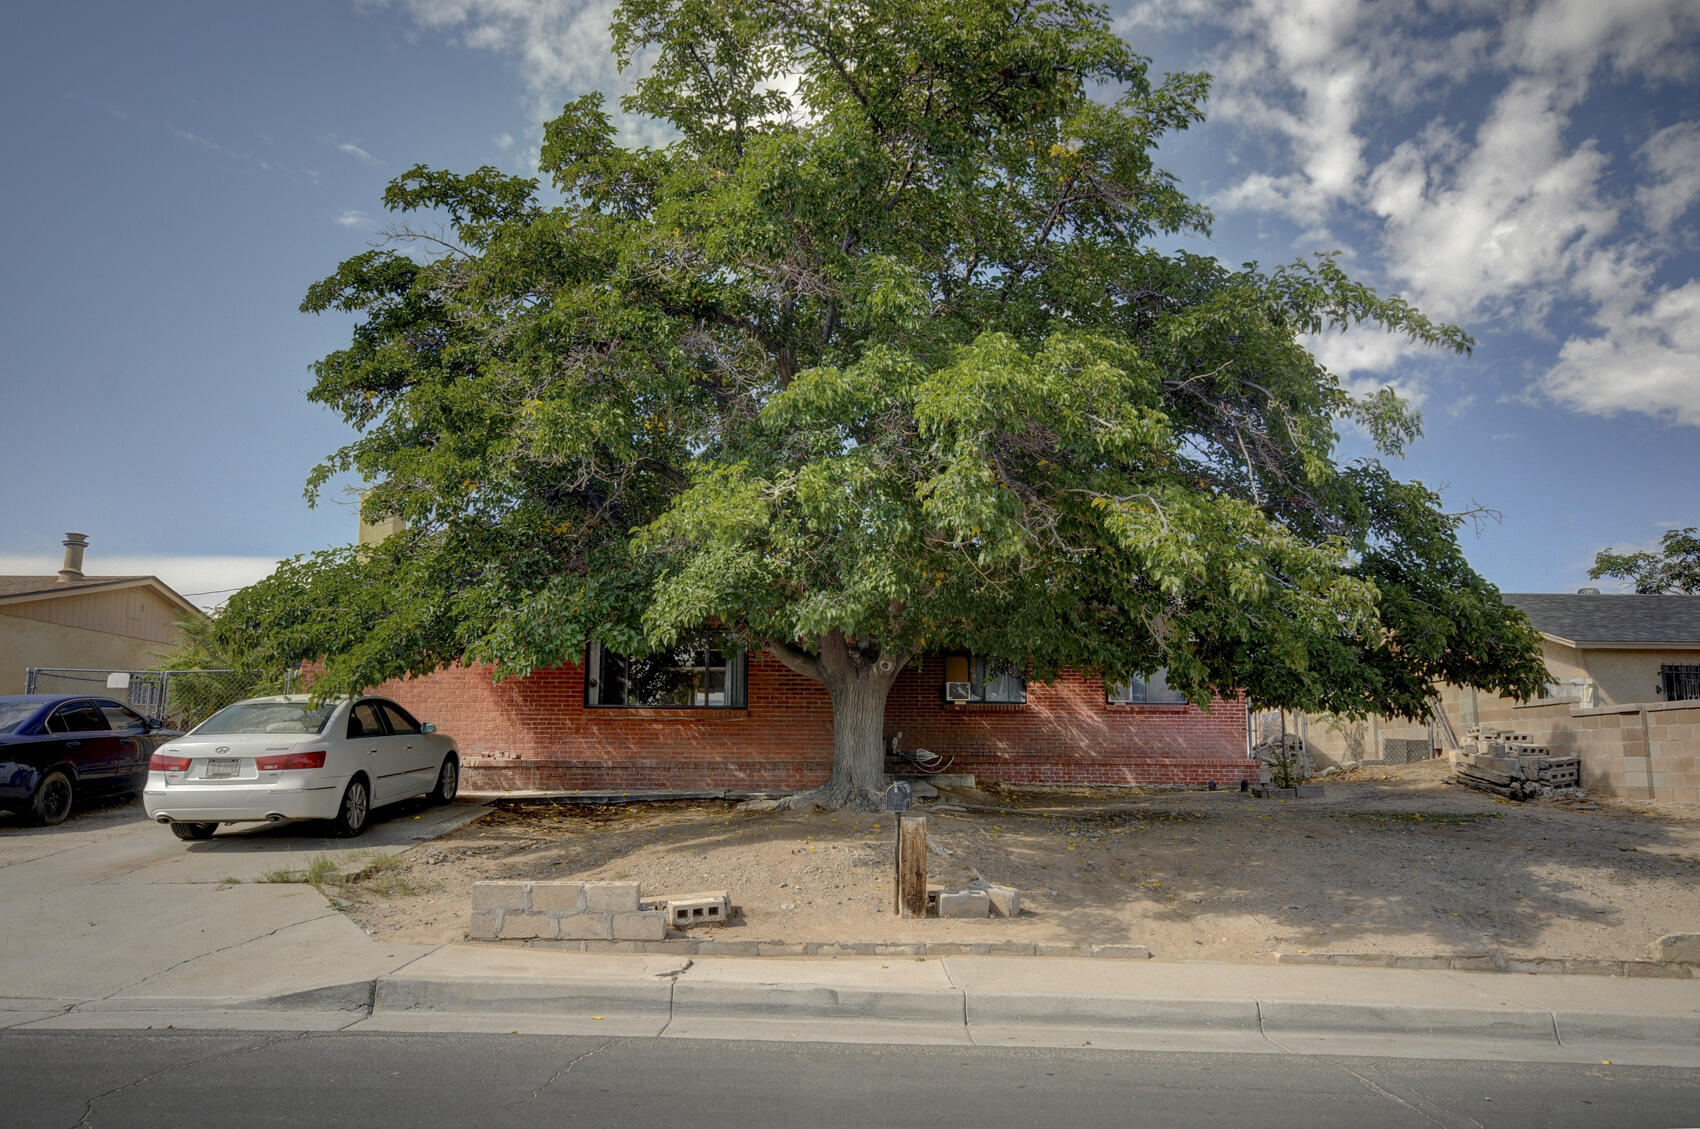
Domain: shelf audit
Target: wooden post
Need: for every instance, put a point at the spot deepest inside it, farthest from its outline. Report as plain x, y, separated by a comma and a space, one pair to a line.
912, 866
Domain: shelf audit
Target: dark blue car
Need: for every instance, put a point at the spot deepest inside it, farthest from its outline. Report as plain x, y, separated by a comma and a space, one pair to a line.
57, 747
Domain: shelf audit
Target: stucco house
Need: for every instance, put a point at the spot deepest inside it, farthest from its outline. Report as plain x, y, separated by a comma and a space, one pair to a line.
85, 622
1610, 650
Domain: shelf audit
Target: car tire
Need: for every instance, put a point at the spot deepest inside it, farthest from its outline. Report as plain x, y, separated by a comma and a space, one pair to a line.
448, 781
52, 800
356, 808
194, 830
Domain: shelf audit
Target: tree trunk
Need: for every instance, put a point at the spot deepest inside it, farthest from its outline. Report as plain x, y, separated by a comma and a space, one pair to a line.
858, 680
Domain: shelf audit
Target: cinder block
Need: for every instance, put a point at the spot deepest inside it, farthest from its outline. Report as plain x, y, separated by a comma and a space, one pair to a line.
486, 925
1684, 947
525, 926
1648, 968
584, 927
501, 896
699, 909
557, 897
610, 897
1006, 900
964, 903
640, 925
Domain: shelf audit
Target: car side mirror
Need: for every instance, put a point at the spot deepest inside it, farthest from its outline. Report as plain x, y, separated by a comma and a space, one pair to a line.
428, 727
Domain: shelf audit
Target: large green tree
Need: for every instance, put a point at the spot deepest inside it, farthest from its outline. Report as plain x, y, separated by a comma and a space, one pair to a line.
1674, 569
885, 353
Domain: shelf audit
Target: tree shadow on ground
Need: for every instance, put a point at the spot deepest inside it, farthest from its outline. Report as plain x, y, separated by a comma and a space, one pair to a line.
1373, 867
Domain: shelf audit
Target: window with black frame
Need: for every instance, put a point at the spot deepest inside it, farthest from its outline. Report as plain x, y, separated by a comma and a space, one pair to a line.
704, 678
1152, 691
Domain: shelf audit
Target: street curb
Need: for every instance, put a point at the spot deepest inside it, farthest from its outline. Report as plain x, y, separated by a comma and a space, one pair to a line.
691, 946
1498, 962
678, 1000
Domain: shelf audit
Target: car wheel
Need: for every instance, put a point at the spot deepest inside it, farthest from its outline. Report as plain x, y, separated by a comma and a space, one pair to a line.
52, 800
448, 781
193, 830
356, 806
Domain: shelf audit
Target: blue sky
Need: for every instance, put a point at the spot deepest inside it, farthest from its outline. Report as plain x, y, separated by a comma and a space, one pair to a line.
180, 171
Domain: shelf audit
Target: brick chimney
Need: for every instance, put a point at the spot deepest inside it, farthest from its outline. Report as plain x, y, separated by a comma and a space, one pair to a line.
75, 544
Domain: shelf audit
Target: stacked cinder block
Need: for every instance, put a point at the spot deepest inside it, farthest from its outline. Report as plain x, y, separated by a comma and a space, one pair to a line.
563, 911
1511, 764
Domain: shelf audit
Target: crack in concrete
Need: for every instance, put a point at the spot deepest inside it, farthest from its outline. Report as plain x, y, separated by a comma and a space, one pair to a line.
1416, 1106
565, 1070
87, 1119
215, 952
944, 966
56, 1010
1419, 1106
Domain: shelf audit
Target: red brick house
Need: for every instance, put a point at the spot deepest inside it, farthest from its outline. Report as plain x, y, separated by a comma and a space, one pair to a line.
697, 720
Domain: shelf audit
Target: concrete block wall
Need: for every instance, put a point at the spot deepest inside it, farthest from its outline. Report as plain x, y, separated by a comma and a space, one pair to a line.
537, 733
563, 911
1636, 752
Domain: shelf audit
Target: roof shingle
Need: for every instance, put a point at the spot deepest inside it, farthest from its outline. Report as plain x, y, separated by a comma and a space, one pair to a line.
1588, 619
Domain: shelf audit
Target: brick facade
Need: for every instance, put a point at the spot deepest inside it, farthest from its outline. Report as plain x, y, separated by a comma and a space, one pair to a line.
536, 733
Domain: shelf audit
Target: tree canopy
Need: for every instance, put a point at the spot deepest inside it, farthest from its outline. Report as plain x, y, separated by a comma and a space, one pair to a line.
883, 354
1674, 569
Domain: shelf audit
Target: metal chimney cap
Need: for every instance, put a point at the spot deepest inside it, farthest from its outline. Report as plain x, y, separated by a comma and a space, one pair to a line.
75, 544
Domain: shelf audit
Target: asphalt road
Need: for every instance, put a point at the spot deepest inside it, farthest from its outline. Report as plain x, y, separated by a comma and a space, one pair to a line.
143, 1079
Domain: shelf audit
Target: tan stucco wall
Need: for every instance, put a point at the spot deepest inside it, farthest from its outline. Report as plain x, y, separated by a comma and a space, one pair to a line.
1631, 676
29, 642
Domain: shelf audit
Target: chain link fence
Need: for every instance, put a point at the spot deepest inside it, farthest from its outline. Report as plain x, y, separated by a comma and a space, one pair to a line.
173, 699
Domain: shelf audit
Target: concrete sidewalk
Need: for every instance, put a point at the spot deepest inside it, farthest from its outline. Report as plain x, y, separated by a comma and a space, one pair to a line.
997, 1001
112, 923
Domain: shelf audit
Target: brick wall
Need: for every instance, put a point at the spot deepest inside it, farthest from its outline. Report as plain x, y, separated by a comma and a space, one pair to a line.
535, 733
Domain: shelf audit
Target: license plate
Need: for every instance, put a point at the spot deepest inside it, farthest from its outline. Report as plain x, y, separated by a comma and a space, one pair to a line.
221, 768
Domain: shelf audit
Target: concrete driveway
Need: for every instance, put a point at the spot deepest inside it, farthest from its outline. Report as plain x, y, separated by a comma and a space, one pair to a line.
110, 909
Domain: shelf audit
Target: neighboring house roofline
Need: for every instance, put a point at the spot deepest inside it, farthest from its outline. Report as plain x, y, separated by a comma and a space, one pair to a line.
1586, 621
1622, 644
30, 589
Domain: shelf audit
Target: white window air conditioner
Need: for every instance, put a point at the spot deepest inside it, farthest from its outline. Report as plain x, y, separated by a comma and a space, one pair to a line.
957, 692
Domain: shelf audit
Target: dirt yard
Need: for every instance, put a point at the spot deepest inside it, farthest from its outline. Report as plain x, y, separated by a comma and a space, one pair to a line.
1391, 861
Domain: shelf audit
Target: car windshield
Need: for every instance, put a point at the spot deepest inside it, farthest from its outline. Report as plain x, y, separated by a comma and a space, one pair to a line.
268, 717
14, 714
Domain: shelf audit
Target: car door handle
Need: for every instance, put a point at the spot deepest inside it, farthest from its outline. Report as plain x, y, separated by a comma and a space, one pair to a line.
73, 744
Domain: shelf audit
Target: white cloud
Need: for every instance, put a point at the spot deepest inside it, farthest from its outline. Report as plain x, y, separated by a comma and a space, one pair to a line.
1503, 227
1569, 38
560, 45
206, 580
1645, 359
1507, 219
354, 150
1672, 157
353, 217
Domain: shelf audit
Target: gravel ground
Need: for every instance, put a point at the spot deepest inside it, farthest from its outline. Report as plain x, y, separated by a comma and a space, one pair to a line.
1391, 860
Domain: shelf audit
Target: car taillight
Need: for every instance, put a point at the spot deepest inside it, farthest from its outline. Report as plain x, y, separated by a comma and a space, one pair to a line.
290, 760
159, 762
